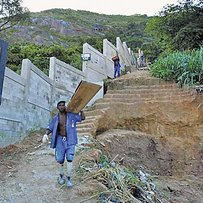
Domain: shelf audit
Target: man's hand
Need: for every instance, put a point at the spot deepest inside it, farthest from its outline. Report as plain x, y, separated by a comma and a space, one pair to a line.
45, 138
82, 115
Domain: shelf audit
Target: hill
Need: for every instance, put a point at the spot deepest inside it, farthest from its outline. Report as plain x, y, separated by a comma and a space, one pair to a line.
63, 26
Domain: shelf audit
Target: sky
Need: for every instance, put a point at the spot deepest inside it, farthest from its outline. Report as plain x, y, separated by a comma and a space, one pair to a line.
111, 7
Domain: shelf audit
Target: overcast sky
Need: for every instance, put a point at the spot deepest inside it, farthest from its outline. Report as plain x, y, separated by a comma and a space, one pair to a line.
123, 7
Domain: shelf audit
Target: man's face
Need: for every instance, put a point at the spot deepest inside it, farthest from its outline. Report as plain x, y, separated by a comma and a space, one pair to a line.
61, 107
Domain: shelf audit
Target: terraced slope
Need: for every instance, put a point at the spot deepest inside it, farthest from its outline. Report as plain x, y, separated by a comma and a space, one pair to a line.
138, 99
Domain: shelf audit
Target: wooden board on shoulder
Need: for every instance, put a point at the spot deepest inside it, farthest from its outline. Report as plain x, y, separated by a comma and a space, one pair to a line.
83, 94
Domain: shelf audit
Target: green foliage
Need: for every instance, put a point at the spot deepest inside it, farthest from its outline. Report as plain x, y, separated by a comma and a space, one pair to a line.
12, 13
183, 67
131, 177
178, 27
104, 160
40, 55
190, 36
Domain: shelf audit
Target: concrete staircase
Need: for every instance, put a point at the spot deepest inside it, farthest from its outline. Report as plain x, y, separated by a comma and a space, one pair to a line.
133, 91
168, 93
88, 127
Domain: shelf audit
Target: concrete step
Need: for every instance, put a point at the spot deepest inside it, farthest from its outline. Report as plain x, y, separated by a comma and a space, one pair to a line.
142, 81
84, 130
144, 91
147, 95
82, 135
83, 138
147, 102
87, 121
150, 98
86, 125
95, 112
155, 86
90, 119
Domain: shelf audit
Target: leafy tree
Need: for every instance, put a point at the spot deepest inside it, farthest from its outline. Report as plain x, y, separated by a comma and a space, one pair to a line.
178, 27
11, 13
40, 55
96, 42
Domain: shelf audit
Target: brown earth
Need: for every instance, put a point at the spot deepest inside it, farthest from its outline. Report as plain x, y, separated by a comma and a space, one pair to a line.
162, 135
164, 140
175, 164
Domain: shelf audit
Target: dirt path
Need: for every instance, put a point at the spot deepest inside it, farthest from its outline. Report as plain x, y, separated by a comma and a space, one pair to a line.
29, 174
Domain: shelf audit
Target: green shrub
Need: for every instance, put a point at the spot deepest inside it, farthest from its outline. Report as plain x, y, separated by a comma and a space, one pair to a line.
183, 67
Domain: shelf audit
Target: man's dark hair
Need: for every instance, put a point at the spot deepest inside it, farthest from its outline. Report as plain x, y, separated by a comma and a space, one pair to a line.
61, 102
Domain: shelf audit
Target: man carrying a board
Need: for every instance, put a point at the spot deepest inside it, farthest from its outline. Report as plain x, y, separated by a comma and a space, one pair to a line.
63, 139
63, 127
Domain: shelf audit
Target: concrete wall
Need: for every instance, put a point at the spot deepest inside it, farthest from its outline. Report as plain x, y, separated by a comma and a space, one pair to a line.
122, 52
127, 54
11, 108
28, 99
25, 103
109, 50
94, 69
37, 96
65, 80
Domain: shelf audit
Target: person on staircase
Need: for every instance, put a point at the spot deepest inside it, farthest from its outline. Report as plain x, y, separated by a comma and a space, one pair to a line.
117, 66
64, 139
142, 62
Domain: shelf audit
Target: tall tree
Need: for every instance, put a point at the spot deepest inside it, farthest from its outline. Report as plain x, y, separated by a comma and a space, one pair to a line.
179, 26
11, 13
